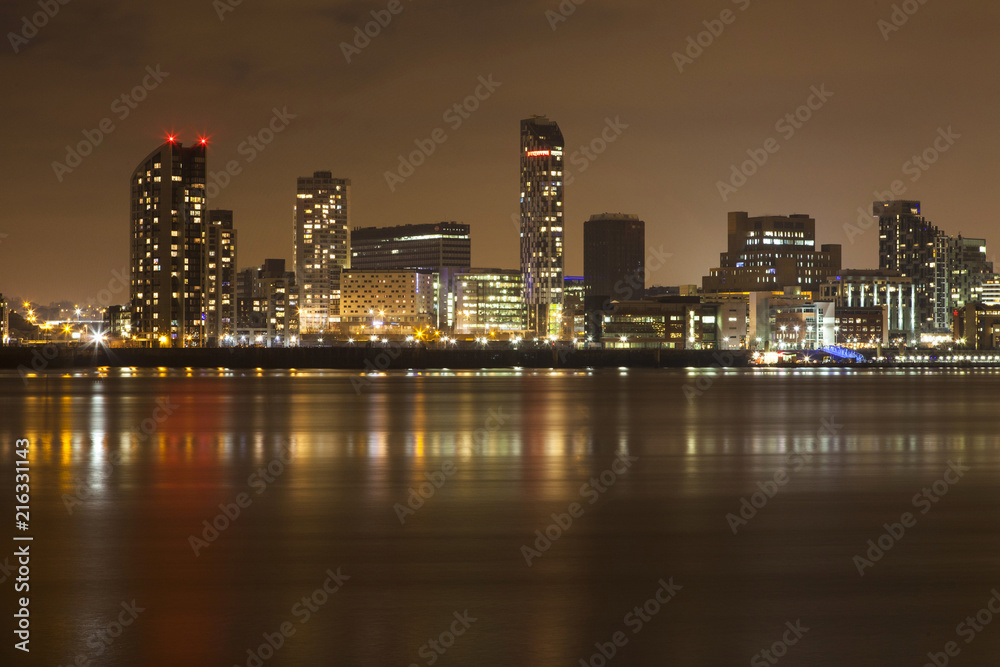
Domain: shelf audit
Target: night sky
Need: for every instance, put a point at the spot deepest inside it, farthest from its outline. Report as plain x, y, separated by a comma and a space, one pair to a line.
608, 60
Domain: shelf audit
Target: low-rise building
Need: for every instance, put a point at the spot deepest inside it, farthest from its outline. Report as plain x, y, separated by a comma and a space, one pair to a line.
489, 301
977, 327
384, 303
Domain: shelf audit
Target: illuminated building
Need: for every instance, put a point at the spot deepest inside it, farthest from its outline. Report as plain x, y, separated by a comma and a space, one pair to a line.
488, 301
863, 326
168, 221
574, 311
118, 321
387, 302
867, 288
429, 247
907, 244
977, 327
542, 223
322, 218
677, 323
4, 321
960, 270
614, 247
220, 275
772, 253
991, 291
267, 306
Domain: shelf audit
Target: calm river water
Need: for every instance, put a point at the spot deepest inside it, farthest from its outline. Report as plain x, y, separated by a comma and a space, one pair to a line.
693, 517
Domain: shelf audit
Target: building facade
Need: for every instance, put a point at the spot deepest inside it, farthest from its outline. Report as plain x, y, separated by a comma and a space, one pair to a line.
267, 306
429, 247
868, 288
220, 277
322, 220
167, 244
960, 271
614, 247
863, 327
489, 301
772, 253
4, 321
977, 327
907, 244
542, 232
388, 303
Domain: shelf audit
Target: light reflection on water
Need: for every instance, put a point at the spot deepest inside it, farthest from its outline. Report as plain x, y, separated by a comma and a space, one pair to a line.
523, 442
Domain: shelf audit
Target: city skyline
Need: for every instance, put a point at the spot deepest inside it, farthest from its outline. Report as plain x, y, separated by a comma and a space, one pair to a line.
682, 137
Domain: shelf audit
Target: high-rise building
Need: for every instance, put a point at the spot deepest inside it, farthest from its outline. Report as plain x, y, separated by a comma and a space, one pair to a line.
991, 291
614, 247
542, 223
427, 247
322, 251
772, 253
907, 244
168, 221
960, 271
220, 276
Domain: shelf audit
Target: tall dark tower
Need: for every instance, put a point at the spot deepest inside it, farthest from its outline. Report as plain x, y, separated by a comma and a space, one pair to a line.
168, 222
542, 223
613, 264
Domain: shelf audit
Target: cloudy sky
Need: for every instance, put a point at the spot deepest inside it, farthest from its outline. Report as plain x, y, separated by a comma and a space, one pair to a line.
891, 91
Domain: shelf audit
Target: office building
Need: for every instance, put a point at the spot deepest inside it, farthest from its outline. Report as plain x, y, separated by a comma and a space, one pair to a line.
489, 301
863, 327
542, 221
167, 244
322, 220
220, 276
977, 327
388, 303
907, 244
771, 253
991, 291
675, 323
429, 247
613, 264
868, 288
960, 271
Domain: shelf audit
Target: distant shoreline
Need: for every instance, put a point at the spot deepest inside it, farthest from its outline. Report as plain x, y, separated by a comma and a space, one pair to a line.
377, 358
